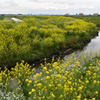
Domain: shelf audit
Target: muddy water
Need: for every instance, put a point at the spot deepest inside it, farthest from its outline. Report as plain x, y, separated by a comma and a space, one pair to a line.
93, 45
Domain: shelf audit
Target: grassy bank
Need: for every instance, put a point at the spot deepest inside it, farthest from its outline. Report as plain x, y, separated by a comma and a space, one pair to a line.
40, 36
70, 80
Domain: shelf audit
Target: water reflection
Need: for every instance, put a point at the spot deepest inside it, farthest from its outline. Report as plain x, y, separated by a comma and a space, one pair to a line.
94, 45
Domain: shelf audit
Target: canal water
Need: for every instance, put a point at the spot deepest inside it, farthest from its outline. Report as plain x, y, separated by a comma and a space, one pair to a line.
93, 45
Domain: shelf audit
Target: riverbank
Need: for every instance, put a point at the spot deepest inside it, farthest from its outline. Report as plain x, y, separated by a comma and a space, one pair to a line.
42, 36
36, 61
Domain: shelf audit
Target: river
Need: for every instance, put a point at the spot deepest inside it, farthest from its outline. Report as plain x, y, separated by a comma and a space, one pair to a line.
93, 45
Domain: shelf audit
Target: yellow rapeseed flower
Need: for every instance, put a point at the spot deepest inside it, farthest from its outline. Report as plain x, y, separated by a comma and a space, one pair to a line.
60, 96
93, 98
47, 72
39, 84
33, 90
30, 81
30, 93
96, 92
79, 97
52, 94
58, 75
44, 68
19, 81
27, 80
47, 77
94, 82
87, 81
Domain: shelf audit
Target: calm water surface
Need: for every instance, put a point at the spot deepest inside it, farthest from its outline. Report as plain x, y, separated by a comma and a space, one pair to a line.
93, 45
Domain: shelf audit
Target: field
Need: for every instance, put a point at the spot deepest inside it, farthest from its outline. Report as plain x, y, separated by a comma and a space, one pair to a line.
40, 36
93, 19
78, 78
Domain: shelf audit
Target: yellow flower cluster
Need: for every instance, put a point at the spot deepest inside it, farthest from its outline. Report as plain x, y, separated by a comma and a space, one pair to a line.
58, 82
40, 35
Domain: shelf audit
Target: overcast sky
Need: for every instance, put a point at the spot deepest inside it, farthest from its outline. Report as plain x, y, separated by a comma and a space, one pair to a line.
49, 6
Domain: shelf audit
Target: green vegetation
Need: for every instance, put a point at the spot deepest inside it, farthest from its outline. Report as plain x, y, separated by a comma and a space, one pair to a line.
69, 80
1, 17
8, 17
93, 19
40, 36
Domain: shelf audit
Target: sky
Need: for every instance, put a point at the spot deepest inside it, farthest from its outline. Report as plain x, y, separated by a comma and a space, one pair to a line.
49, 6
